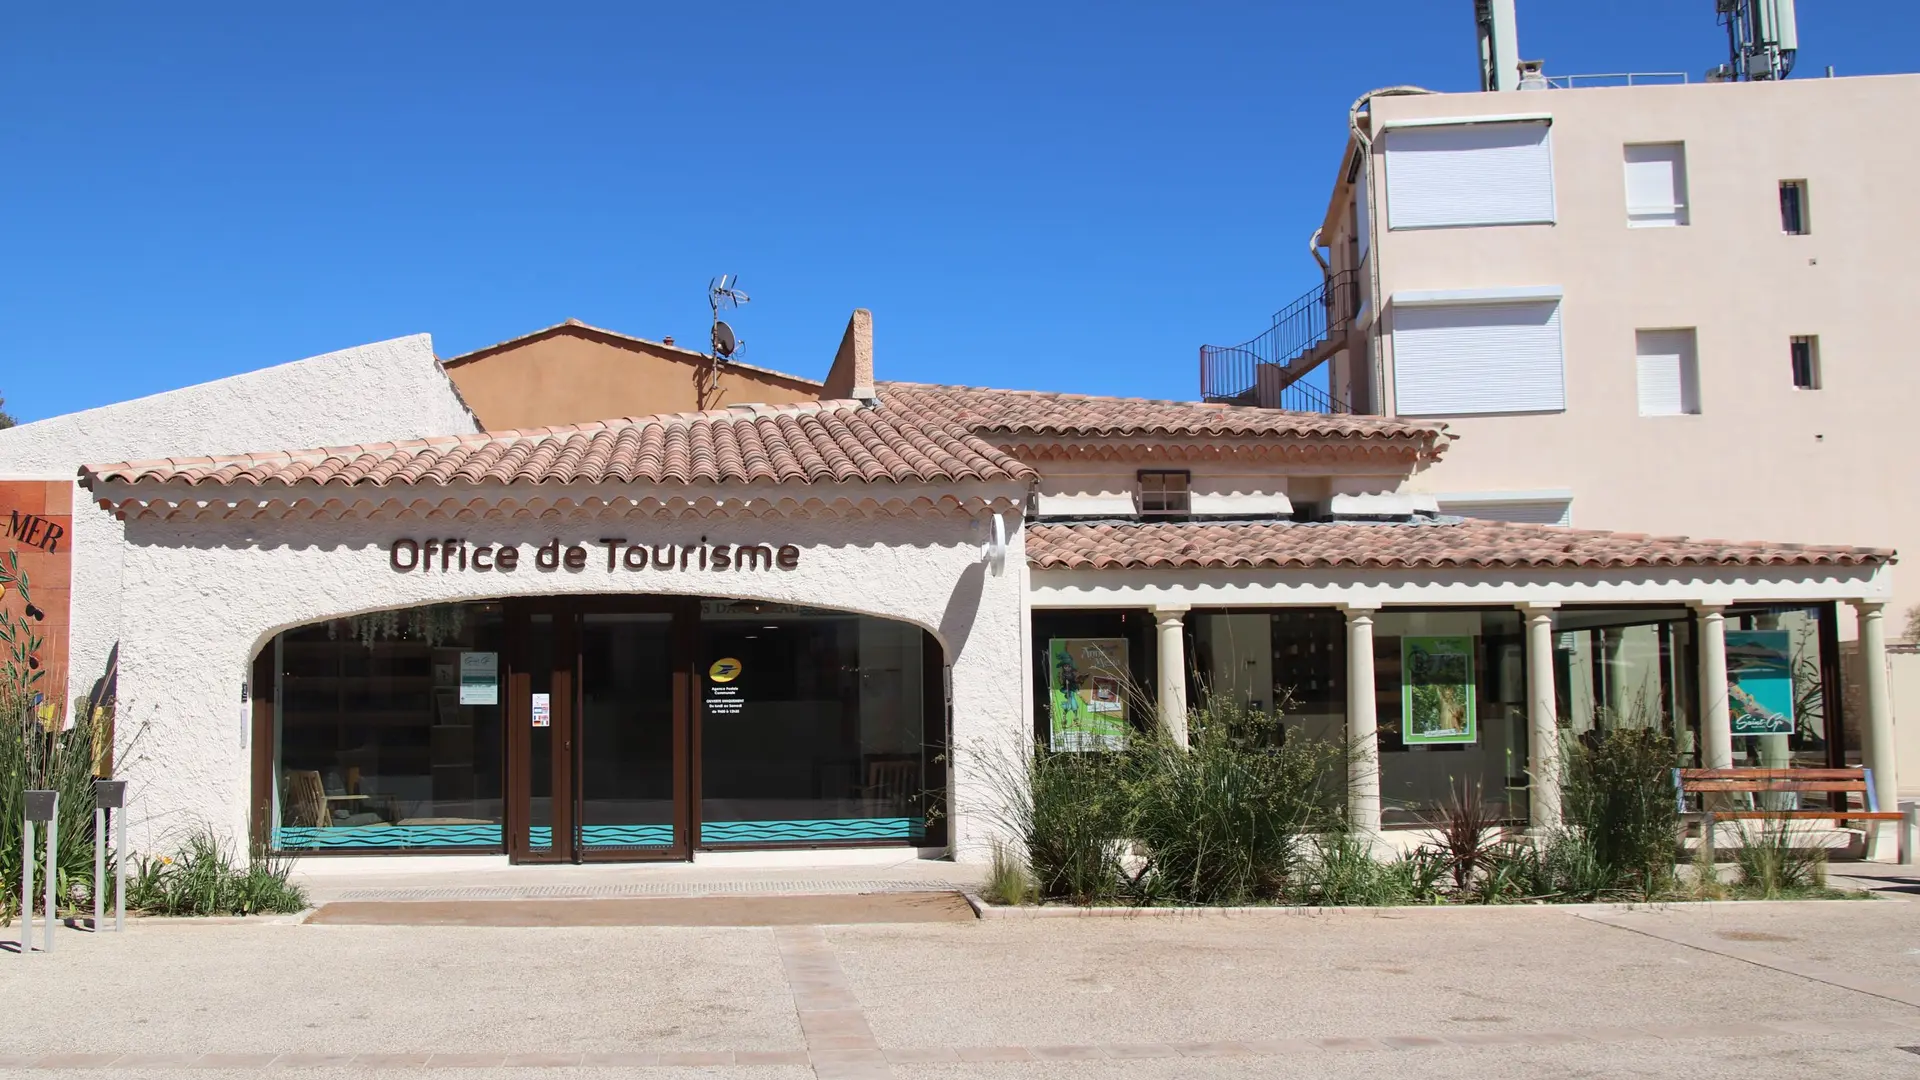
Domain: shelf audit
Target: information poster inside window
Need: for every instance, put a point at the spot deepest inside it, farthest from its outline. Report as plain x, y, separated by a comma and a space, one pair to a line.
1087, 681
479, 678
1760, 682
1436, 691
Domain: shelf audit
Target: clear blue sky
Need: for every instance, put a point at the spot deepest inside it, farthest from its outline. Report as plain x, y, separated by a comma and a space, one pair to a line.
1035, 195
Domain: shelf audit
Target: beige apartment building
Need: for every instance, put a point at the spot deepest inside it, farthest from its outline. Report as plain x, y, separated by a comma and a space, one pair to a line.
1670, 309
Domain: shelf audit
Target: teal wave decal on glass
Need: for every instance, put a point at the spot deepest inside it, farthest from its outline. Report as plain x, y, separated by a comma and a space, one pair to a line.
765, 832
539, 836
626, 835
386, 837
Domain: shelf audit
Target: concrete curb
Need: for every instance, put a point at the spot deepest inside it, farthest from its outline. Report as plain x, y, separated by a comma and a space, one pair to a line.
985, 910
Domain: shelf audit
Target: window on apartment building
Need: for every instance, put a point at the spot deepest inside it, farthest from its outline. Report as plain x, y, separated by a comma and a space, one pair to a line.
1656, 185
1806, 363
1165, 493
1668, 372
1464, 173
1497, 354
1793, 208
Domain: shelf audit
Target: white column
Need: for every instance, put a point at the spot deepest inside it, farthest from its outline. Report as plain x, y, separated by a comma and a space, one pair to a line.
1173, 672
1877, 749
1363, 736
1716, 722
1543, 718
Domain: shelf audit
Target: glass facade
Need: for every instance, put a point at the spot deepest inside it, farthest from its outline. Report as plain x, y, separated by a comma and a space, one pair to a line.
1796, 649
813, 726
1451, 688
626, 776
1450, 691
379, 744
1628, 667
600, 728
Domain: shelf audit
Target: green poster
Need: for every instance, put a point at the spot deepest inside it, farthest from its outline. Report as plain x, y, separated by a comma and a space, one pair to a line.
1087, 680
1436, 690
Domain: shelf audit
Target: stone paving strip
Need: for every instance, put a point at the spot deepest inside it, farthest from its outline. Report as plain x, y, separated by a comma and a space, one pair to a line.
784, 886
839, 1045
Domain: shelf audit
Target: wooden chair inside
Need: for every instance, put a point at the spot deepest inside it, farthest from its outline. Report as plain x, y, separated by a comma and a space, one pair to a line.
306, 799
892, 783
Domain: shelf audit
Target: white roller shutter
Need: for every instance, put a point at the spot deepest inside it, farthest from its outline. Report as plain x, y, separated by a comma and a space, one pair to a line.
1666, 372
1478, 358
1656, 185
1539, 512
1469, 174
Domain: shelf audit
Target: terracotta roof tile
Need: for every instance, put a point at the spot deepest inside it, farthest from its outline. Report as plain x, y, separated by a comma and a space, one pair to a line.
806, 443
1444, 543
1082, 415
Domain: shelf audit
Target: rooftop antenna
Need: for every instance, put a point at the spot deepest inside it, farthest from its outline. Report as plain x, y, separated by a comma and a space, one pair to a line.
723, 294
1499, 44
1763, 37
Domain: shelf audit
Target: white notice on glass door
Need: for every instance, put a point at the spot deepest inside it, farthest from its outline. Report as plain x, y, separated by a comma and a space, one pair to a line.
542, 710
479, 678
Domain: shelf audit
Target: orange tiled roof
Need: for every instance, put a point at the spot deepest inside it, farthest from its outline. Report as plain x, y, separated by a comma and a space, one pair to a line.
1082, 415
811, 442
1462, 544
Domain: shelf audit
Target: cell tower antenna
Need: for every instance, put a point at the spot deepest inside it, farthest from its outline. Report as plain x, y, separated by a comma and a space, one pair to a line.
1763, 36
723, 294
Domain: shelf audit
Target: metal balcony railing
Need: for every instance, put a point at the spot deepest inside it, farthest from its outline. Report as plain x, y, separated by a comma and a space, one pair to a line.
1266, 371
1617, 78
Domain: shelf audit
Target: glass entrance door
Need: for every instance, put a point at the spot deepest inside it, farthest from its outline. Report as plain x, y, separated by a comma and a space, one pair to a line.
630, 746
598, 751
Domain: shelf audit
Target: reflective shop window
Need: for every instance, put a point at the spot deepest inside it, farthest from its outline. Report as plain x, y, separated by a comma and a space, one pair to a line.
814, 726
387, 731
1783, 708
1627, 668
1450, 692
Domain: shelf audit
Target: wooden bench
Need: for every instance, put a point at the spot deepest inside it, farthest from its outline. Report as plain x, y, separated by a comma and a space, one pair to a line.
1839, 783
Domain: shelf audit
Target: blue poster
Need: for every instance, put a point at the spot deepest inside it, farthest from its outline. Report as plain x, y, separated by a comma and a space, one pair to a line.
1760, 682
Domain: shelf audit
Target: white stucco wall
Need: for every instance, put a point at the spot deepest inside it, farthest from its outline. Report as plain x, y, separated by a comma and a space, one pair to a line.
203, 598
385, 391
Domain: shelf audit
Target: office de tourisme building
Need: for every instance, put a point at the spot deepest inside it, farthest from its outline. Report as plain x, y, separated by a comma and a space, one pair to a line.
376, 602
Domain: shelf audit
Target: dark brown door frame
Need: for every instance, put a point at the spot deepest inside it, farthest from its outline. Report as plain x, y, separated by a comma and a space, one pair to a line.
567, 746
262, 687
517, 814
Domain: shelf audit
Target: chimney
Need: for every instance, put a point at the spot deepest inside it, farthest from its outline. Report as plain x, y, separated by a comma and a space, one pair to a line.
1533, 75
852, 373
668, 340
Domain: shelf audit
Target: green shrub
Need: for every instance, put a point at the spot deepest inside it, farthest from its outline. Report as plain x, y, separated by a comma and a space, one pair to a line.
1511, 870
202, 878
1007, 879
1571, 868
1344, 873
1768, 864
1619, 794
1222, 820
31, 758
1415, 877
1075, 816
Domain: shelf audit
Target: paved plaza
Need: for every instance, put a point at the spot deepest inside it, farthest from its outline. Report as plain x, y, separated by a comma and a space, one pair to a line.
1735, 990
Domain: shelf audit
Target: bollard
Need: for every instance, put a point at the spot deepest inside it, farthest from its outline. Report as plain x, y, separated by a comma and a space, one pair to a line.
26, 885
42, 806
109, 795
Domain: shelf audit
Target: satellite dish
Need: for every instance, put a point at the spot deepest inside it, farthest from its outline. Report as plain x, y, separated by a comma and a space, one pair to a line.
724, 343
